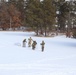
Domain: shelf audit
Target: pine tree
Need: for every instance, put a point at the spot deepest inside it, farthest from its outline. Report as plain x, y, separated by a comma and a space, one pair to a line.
40, 15
49, 15
33, 14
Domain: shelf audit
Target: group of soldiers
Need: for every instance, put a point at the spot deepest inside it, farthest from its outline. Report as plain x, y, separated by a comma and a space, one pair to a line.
33, 44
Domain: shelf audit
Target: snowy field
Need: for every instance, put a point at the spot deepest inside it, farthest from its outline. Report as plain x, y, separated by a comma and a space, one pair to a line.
58, 58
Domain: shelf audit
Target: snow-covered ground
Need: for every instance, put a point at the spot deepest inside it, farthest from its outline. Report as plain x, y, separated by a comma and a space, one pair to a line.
58, 58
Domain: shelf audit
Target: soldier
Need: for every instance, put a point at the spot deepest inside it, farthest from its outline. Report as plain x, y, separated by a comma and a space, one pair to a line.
29, 41
42, 44
34, 45
24, 43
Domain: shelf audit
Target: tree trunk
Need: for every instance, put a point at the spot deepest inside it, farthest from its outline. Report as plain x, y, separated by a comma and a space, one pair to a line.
45, 30
37, 30
41, 30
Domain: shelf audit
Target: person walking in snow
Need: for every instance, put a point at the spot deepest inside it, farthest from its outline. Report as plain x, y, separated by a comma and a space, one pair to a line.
42, 45
24, 43
34, 45
29, 42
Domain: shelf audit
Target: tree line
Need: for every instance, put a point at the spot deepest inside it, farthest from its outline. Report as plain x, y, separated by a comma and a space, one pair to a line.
42, 16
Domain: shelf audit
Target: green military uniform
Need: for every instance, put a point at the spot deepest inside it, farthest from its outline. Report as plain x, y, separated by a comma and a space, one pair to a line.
42, 44
24, 42
29, 42
34, 45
